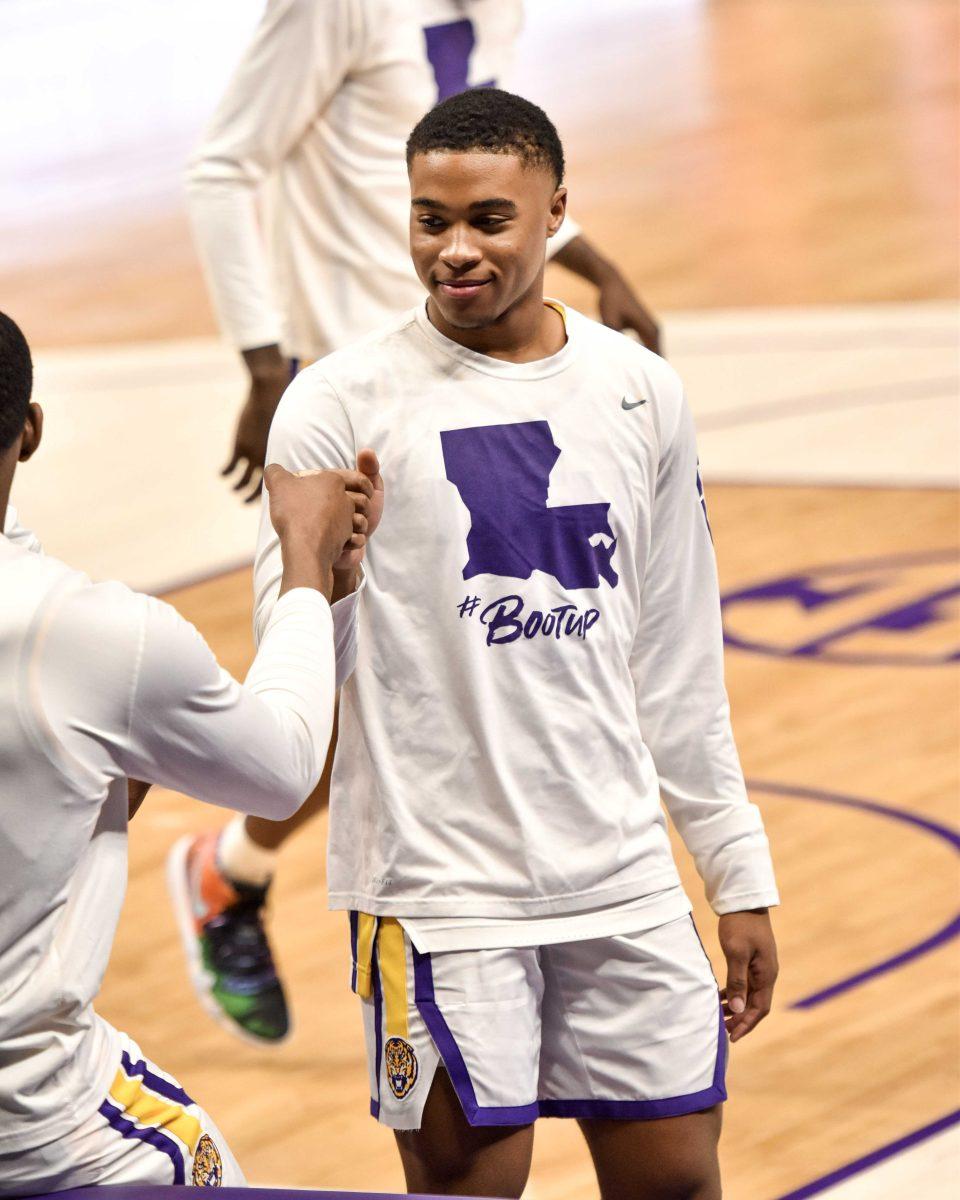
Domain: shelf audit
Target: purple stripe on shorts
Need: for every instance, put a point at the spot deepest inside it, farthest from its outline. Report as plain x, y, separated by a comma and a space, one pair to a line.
156, 1083
520, 1114
152, 1137
354, 926
377, 1023
649, 1110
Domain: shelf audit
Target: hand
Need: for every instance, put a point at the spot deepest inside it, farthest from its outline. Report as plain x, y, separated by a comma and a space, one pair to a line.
269, 377
369, 466
747, 941
621, 309
136, 794
318, 516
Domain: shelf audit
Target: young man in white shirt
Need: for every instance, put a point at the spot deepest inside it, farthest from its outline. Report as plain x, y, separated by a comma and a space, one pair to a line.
539, 661
100, 684
314, 123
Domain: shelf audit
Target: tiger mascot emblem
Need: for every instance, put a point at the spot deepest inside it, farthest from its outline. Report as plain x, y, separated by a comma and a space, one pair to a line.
207, 1163
402, 1068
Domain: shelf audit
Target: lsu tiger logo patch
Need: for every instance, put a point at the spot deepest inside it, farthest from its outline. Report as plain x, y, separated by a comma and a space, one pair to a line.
402, 1067
207, 1163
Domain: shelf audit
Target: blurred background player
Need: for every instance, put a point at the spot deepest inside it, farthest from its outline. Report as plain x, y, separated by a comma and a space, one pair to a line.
100, 684
531, 677
314, 124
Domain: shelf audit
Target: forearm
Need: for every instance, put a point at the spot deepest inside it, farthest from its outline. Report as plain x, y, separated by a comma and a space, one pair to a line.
223, 217
581, 257
302, 568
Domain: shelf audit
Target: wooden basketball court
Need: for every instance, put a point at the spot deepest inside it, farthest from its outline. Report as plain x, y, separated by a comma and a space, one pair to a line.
749, 154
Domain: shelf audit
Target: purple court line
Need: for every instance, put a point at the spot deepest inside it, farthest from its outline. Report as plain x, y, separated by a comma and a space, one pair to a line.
919, 949
890, 1150
800, 406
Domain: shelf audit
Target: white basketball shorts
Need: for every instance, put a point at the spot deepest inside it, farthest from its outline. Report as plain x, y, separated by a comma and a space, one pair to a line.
147, 1130
627, 1026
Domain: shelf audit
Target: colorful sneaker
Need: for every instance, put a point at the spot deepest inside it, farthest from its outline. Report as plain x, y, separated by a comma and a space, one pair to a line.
221, 925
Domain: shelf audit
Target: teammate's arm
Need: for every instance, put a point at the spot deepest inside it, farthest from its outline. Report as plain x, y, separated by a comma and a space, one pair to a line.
138, 693
684, 715
297, 59
619, 305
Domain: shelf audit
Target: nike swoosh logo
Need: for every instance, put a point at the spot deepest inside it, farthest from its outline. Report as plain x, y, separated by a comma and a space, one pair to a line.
627, 407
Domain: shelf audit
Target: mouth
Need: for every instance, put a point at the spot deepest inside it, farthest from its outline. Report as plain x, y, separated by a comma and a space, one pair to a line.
462, 289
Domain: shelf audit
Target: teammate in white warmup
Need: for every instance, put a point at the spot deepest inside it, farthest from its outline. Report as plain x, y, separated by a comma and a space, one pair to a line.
100, 684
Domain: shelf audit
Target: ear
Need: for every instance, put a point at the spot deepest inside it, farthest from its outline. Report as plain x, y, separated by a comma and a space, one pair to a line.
32, 433
558, 210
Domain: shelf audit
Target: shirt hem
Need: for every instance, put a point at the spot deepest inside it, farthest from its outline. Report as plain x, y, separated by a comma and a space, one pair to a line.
568, 927
484, 906
36, 1134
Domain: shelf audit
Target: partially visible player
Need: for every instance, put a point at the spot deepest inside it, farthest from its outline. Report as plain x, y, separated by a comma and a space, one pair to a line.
540, 659
298, 198
98, 684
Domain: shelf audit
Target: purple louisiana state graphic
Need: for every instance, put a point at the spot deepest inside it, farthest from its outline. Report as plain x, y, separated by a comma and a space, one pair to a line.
892, 611
502, 473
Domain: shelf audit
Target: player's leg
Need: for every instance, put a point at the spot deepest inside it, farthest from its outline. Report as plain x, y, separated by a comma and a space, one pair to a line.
219, 884
147, 1130
447, 1154
452, 1048
634, 1048
670, 1159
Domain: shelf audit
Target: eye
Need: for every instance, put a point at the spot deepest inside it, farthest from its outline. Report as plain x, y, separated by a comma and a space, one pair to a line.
429, 222
490, 222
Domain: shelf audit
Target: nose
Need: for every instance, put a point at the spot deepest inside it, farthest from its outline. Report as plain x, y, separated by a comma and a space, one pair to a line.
459, 253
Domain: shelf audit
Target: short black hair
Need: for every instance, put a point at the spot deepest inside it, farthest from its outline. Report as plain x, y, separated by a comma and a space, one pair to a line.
16, 381
493, 121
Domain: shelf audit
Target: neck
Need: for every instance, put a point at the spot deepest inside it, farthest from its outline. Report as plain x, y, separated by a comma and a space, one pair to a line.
8, 462
525, 332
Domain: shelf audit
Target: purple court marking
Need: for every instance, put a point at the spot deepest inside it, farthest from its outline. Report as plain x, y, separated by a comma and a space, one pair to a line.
940, 938
807, 588
890, 1150
801, 406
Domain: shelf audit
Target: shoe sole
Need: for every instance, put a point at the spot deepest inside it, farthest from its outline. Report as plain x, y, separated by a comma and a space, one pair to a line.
201, 979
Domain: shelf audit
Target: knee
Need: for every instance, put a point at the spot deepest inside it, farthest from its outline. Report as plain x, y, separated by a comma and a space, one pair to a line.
679, 1177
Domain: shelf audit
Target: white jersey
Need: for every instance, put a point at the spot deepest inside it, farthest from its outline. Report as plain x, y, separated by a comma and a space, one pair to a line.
319, 110
540, 651
100, 683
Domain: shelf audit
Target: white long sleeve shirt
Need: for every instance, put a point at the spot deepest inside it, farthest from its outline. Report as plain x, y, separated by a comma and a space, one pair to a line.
100, 684
314, 122
539, 654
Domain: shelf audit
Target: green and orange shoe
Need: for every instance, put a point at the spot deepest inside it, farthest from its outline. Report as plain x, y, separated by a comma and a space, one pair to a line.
228, 953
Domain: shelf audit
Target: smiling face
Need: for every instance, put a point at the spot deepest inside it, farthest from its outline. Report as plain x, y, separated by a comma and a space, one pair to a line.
479, 222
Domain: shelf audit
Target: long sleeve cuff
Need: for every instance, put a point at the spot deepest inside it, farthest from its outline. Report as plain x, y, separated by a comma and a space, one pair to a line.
741, 876
346, 614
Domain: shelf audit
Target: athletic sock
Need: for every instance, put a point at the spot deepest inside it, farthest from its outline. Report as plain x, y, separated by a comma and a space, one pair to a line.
241, 859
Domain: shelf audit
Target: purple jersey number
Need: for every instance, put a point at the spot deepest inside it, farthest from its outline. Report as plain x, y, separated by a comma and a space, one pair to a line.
448, 51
